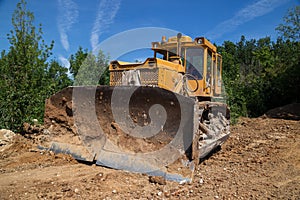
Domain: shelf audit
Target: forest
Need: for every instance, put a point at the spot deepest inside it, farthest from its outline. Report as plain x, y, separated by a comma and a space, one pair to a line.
258, 74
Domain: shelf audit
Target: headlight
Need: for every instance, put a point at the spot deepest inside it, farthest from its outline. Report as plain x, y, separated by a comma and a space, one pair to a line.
199, 41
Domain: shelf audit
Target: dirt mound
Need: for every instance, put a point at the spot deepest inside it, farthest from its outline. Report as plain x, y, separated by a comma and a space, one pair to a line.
6, 139
290, 112
12, 143
259, 161
22, 153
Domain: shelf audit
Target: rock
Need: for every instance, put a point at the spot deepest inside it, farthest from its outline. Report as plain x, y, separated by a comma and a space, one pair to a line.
6, 136
157, 179
167, 194
201, 181
46, 132
30, 129
26, 127
35, 121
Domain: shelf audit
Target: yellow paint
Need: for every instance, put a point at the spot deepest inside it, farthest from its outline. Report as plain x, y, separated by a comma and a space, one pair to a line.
169, 74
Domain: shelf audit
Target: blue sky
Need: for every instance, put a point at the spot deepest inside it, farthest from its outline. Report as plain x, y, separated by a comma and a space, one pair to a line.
74, 23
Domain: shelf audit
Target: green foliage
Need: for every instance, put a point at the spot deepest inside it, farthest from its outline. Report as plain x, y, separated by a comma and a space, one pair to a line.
26, 77
93, 70
260, 75
77, 60
291, 27
57, 77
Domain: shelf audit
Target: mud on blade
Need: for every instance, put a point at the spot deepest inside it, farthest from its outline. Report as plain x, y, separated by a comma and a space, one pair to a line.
139, 129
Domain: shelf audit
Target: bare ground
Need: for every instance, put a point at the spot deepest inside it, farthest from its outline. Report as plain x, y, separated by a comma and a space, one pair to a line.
259, 161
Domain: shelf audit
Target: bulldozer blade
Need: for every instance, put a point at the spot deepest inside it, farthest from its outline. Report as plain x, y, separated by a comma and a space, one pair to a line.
77, 152
138, 164
139, 129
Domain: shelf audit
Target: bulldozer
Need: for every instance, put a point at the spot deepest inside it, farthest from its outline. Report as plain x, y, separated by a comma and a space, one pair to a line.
158, 117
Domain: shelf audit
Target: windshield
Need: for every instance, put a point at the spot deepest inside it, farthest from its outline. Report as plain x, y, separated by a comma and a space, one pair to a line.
194, 62
191, 57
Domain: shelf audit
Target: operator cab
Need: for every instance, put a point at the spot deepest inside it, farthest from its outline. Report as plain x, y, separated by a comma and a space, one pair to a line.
201, 64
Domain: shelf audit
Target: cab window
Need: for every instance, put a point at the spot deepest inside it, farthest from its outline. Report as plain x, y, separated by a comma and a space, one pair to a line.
194, 62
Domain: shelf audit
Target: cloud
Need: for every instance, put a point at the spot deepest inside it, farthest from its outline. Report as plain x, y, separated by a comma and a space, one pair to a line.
68, 14
64, 61
257, 9
107, 11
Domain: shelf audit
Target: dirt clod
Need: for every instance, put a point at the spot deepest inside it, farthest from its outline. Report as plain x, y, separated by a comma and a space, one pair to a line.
157, 179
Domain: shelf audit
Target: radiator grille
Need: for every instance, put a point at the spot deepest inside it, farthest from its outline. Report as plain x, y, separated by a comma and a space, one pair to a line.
147, 76
116, 78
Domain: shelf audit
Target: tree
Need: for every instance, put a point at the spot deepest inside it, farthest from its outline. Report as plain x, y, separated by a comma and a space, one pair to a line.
286, 84
77, 60
232, 79
93, 70
26, 78
57, 77
291, 27
4, 109
287, 50
261, 74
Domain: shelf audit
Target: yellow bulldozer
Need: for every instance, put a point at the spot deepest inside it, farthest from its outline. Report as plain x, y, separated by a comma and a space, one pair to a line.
158, 117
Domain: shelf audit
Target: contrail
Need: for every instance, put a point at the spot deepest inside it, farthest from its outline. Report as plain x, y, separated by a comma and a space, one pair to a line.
107, 11
257, 9
68, 14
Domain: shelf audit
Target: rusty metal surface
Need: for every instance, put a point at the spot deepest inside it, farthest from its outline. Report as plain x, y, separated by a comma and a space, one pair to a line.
138, 129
